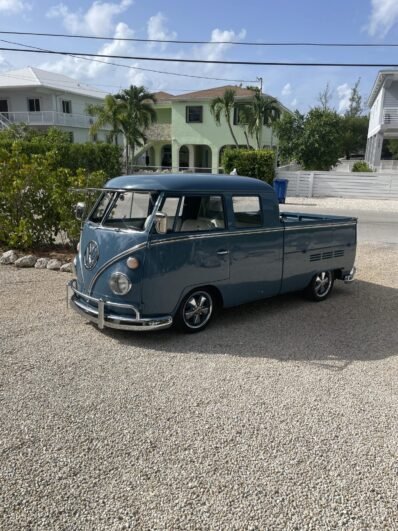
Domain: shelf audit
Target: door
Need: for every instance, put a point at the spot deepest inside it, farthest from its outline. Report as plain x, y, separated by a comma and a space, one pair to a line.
256, 251
194, 252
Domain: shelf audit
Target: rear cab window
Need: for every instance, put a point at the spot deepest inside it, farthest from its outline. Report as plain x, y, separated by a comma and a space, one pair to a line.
247, 211
194, 213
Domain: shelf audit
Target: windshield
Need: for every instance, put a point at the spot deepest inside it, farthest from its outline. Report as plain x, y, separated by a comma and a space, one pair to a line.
124, 210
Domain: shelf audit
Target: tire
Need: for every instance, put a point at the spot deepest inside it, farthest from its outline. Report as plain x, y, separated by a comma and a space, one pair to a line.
320, 286
196, 311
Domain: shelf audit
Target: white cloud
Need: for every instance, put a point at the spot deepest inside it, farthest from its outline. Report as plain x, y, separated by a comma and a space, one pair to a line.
217, 52
157, 30
13, 6
4, 64
287, 90
383, 17
293, 103
344, 93
97, 20
80, 68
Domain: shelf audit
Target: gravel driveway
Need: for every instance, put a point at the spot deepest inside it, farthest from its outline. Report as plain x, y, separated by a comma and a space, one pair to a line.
282, 415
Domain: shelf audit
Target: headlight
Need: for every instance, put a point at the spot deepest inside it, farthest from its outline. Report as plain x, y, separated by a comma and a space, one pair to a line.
120, 283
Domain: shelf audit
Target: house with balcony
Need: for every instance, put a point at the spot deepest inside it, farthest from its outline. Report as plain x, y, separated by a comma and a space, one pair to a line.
383, 120
44, 99
186, 136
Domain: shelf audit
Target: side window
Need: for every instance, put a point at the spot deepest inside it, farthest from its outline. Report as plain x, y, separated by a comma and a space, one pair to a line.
170, 207
195, 213
247, 211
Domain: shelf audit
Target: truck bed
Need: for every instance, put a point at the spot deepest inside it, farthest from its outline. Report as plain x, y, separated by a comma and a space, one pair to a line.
315, 242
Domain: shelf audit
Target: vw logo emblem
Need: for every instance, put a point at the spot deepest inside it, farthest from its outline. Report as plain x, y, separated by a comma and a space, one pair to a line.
91, 255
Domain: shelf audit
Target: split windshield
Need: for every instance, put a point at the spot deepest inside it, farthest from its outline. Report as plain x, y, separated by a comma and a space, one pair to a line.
124, 210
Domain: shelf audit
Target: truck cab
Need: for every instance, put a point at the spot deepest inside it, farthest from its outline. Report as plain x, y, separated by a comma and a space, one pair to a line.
162, 249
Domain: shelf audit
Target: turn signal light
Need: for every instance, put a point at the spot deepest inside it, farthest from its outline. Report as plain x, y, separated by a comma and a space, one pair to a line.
133, 263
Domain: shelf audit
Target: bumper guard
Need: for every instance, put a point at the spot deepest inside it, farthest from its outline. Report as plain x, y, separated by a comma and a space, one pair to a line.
80, 302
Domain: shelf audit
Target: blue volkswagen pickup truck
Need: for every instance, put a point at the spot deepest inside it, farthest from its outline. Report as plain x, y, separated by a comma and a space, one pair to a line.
162, 249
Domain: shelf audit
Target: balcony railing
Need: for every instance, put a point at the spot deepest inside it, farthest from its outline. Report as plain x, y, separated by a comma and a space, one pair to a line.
50, 118
390, 116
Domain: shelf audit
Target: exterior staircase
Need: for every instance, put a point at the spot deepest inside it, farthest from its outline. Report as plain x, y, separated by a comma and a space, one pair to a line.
4, 122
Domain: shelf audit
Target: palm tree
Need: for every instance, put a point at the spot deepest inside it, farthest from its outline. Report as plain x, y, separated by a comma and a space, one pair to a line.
137, 115
263, 110
224, 105
109, 113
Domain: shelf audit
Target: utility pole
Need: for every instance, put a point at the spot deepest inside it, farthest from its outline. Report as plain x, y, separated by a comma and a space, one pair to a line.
260, 79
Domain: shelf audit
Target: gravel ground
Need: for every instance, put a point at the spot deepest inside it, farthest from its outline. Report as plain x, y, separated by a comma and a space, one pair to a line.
282, 415
379, 205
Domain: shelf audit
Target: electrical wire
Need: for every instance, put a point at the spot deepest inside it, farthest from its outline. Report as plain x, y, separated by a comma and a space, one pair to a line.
235, 43
203, 61
82, 56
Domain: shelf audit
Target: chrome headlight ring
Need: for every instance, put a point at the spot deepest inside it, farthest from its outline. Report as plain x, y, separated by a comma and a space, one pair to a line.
120, 283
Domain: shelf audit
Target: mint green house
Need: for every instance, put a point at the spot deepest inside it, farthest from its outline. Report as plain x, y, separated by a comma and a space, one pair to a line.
186, 136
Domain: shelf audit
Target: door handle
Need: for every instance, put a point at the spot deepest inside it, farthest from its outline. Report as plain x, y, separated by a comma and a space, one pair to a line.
222, 252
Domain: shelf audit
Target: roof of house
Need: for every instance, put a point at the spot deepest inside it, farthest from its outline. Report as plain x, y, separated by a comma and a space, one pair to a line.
35, 77
379, 82
188, 182
162, 96
211, 93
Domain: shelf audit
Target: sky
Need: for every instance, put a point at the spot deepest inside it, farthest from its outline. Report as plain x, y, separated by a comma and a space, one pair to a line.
354, 21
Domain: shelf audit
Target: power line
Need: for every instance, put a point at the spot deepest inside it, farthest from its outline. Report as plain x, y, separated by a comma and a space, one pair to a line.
235, 43
81, 56
202, 61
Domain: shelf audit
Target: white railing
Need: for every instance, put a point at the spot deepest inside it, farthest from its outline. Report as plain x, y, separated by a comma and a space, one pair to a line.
390, 116
4, 121
51, 118
370, 185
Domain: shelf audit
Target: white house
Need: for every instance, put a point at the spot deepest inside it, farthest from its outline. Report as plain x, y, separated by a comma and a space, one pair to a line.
383, 122
44, 99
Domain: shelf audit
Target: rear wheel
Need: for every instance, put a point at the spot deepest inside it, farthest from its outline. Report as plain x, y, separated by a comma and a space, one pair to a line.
195, 311
320, 286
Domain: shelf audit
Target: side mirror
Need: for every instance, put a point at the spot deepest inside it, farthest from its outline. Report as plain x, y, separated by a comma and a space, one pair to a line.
79, 210
161, 222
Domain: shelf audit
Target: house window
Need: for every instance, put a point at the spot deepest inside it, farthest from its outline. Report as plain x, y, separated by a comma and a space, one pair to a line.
34, 105
4, 108
238, 114
67, 106
194, 114
247, 211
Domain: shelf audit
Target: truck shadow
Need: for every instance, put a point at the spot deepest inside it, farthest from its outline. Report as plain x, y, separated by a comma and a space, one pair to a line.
357, 323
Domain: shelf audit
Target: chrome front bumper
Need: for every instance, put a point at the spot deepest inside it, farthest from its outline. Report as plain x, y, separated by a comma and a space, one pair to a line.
104, 318
351, 275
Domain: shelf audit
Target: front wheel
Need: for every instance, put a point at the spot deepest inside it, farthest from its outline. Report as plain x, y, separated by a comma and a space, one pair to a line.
195, 311
320, 286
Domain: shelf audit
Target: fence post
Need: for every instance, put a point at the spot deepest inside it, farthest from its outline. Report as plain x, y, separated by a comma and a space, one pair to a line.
311, 184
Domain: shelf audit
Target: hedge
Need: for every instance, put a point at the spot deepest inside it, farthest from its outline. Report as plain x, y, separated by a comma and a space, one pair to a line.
250, 163
361, 166
89, 156
35, 201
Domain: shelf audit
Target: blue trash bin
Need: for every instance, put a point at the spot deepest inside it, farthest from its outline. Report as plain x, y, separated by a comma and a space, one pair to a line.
280, 187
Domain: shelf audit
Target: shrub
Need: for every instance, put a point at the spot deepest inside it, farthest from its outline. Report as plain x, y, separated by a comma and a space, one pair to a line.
89, 156
35, 203
251, 163
361, 166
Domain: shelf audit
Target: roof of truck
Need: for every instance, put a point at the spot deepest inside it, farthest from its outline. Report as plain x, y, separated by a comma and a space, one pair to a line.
188, 182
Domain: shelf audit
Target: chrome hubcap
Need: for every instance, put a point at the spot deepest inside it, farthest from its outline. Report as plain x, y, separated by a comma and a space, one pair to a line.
323, 283
197, 309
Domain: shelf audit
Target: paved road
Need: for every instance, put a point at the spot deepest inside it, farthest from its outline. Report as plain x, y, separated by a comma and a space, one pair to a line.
373, 226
